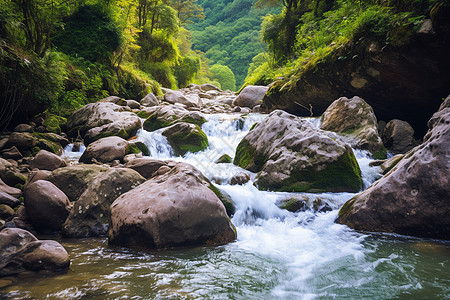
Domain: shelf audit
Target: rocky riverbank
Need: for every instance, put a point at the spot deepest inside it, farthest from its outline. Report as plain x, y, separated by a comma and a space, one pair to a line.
117, 190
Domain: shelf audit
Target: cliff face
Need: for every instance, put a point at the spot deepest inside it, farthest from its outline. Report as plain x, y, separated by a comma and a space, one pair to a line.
406, 82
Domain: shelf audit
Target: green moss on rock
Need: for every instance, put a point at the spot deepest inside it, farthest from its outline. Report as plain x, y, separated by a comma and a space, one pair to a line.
245, 154
224, 159
342, 175
185, 139
225, 199
53, 123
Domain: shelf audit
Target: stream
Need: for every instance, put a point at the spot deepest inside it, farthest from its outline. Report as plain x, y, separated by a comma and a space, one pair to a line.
277, 255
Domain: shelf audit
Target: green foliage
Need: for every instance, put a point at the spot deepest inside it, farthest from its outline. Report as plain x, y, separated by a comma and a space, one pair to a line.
319, 34
186, 69
90, 32
225, 76
229, 33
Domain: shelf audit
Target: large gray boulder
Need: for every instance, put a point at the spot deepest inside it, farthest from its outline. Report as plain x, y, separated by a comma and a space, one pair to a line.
21, 251
96, 120
355, 121
250, 96
398, 136
46, 160
188, 100
105, 150
177, 208
74, 180
90, 214
168, 115
291, 155
47, 206
413, 198
149, 100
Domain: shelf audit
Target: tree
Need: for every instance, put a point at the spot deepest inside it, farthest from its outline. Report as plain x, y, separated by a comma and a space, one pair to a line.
90, 33
225, 76
187, 10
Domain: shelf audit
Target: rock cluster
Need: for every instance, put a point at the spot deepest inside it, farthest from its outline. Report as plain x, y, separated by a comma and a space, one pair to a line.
412, 198
289, 154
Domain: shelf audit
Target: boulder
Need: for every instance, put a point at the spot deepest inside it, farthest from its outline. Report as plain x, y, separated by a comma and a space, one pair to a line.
36, 175
191, 100
9, 189
21, 251
224, 159
74, 180
149, 100
355, 121
105, 150
8, 200
395, 80
398, 136
11, 153
111, 99
206, 87
412, 198
169, 115
97, 120
133, 104
51, 142
6, 212
145, 166
13, 178
240, 179
186, 137
23, 128
46, 205
90, 214
250, 96
174, 209
22, 141
303, 203
45, 160
290, 154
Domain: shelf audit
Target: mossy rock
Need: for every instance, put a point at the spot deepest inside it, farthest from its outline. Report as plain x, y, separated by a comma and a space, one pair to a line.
153, 123
13, 178
246, 157
185, 137
225, 199
224, 159
53, 123
294, 205
51, 142
342, 175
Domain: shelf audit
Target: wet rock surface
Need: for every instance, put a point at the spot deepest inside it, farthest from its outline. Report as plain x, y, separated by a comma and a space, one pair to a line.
20, 251
174, 209
412, 198
90, 214
289, 154
355, 121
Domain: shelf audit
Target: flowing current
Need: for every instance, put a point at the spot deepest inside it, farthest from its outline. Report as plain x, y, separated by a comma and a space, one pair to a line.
277, 255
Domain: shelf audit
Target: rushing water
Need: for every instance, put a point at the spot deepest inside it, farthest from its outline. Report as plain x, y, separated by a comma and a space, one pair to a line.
278, 254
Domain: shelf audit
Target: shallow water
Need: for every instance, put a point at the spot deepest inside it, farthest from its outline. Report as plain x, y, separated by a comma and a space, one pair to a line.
278, 254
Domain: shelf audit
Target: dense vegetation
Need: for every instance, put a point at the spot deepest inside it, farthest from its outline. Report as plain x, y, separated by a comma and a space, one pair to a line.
306, 32
57, 55
229, 34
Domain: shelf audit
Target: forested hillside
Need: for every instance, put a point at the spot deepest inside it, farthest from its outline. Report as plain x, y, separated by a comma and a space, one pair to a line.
56, 56
229, 33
